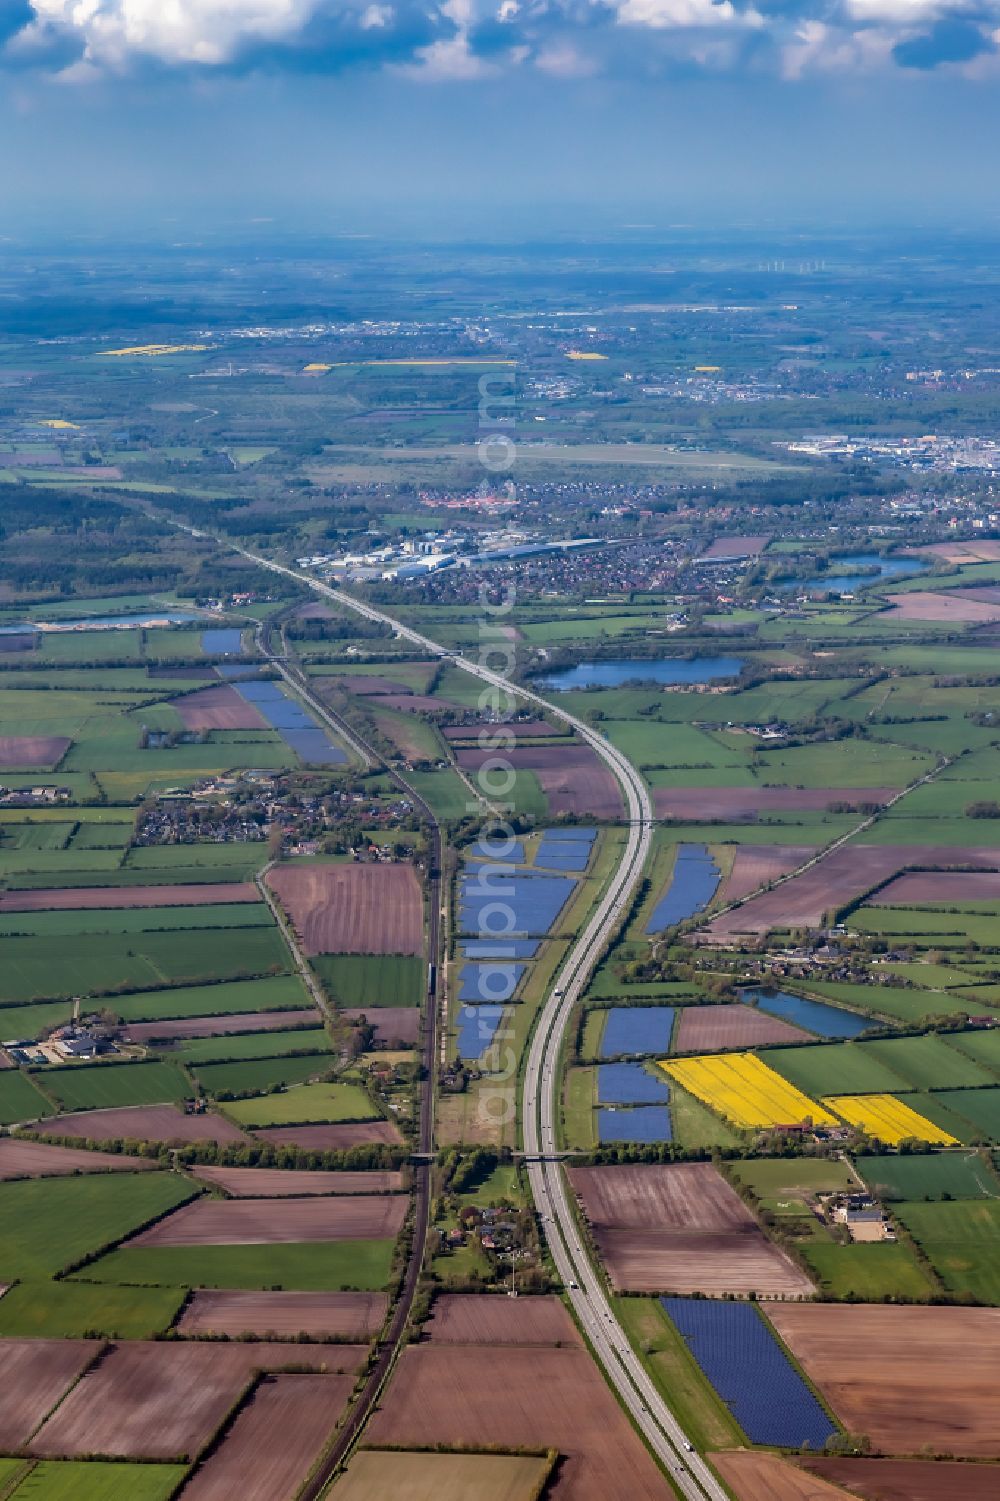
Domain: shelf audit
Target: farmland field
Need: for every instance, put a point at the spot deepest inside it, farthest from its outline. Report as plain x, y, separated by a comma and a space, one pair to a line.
94, 1480
960, 1241
303, 1105
312, 1266
475, 1319
681, 1228
903, 1479
144, 1123
937, 1175
262, 1073
729, 1026
94, 1086
929, 1062
906, 1377
888, 1118
36, 1374
73, 1309
381, 980
278, 1183
248, 1043
283, 1315
19, 1099
46, 1224
846, 1068
373, 1475
867, 1272
353, 909
233, 997
981, 1107
241, 1222
744, 1090
274, 1441
22, 1158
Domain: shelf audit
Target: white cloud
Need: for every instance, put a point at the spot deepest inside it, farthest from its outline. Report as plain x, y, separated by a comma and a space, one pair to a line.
173, 31
677, 14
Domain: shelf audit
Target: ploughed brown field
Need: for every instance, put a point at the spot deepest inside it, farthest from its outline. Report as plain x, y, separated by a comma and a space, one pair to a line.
142, 1123
407, 735
392, 1024
482, 1319
765, 1477
906, 1377
986, 551
362, 684
572, 776
280, 1183
31, 751
219, 1026
284, 1314
332, 1138
756, 864
261, 1222
36, 1372
908, 1479
943, 887
414, 703
735, 804
750, 546
353, 909
702, 1028
681, 1229
274, 1442
520, 1395
67, 898
839, 878
949, 605
218, 708
151, 1399
38, 1159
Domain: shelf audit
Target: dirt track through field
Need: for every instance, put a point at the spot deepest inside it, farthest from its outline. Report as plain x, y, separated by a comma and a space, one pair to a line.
681, 1229
352, 909
262, 1222
906, 1377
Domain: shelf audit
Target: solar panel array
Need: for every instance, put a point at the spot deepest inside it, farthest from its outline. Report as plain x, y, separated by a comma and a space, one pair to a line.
629, 1084
751, 1373
491, 982
558, 853
646, 1123
692, 887
637, 1029
477, 1027
499, 948
292, 723
500, 851
495, 904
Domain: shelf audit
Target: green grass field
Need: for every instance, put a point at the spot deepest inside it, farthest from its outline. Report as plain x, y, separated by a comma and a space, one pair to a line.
237, 1045
97, 1086
48, 1223
99, 963
579, 1099
19, 1099
984, 1047
928, 1062
372, 979
444, 790
980, 1107
261, 1073
312, 1266
96, 1480
230, 998
792, 1177
960, 1240
694, 1124
868, 1272
24, 1023
135, 920
72, 1309
932, 1175
304, 1104
838, 1068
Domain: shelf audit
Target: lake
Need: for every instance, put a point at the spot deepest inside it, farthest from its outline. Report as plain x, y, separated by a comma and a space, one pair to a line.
840, 578
815, 1016
671, 671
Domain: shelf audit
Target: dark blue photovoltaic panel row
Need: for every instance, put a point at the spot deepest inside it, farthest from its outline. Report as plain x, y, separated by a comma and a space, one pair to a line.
553, 856
293, 724
499, 948
692, 887
645, 1123
751, 1373
477, 1027
222, 642
629, 1084
637, 1029
494, 905
501, 851
571, 831
490, 982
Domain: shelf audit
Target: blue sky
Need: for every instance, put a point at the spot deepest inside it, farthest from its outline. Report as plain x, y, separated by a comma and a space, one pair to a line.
358, 114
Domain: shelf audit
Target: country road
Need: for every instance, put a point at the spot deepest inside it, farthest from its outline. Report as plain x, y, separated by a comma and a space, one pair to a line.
624, 1368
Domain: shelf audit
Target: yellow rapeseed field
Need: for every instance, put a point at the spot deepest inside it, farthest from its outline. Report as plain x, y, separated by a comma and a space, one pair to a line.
156, 349
884, 1116
58, 422
745, 1091
584, 354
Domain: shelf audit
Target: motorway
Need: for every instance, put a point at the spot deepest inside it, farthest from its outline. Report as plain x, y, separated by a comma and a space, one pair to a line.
625, 1370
